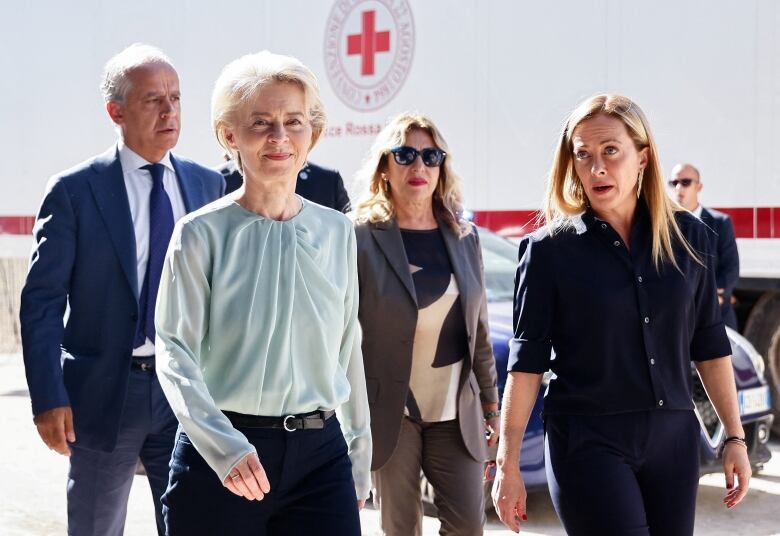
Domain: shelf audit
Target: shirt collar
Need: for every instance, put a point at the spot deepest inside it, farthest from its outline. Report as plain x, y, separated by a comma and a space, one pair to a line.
697, 211
131, 161
641, 220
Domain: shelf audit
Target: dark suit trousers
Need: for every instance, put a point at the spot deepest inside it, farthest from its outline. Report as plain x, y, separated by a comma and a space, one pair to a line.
438, 450
99, 482
632, 474
312, 491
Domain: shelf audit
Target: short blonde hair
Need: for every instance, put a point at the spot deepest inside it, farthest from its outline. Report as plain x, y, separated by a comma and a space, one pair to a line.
565, 196
375, 201
240, 80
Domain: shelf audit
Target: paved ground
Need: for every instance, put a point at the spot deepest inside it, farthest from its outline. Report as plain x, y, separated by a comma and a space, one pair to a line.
32, 486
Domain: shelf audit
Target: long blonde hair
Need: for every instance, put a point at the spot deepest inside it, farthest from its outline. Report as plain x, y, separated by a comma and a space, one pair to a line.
565, 196
375, 201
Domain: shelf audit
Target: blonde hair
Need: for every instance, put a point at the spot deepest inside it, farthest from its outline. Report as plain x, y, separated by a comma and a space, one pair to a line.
565, 196
240, 80
375, 202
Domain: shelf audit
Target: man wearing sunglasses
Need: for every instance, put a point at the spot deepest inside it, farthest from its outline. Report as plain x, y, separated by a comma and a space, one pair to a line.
685, 185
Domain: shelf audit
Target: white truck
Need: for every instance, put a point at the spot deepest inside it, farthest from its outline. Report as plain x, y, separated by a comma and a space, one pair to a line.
497, 76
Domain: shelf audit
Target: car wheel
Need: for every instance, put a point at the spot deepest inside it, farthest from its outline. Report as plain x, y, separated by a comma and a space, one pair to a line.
763, 330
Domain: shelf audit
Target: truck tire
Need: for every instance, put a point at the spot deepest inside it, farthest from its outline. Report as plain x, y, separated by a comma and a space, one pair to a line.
763, 331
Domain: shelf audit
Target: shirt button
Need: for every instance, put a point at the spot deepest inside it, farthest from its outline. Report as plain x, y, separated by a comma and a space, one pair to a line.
639, 278
616, 243
652, 361
647, 320
660, 402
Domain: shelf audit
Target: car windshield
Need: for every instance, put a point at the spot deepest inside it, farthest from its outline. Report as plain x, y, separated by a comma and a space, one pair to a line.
500, 258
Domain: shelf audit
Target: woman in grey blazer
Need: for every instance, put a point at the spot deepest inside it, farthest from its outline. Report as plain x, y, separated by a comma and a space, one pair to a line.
430, 372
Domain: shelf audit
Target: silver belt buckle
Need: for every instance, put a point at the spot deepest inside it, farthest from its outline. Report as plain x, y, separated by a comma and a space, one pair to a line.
284, 423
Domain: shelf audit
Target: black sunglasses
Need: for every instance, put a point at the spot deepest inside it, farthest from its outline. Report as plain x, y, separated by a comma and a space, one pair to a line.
683, 182
405, 155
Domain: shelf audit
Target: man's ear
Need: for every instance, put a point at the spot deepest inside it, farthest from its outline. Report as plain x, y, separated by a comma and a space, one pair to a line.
115, 112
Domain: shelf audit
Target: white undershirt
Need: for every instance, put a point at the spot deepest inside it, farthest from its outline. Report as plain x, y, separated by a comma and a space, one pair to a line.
138, 183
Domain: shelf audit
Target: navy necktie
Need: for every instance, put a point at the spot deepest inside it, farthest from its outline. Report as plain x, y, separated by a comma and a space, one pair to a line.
160, 230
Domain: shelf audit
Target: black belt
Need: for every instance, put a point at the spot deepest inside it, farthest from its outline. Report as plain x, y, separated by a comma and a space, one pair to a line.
314, 420
145, 363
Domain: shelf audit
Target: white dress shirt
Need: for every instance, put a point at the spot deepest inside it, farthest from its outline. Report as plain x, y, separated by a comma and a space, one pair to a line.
697, 211
138, 183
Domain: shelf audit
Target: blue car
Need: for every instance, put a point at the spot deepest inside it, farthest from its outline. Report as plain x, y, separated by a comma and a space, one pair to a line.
500, 258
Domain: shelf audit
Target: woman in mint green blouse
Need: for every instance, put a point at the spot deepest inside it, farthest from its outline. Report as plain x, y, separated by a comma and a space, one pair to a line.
258, 340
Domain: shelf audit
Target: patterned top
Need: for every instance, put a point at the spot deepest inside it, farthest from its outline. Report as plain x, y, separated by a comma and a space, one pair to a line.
440, 341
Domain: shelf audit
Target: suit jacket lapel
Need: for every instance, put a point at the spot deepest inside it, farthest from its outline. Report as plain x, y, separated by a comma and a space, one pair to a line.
388, 236
191, 186
108, 188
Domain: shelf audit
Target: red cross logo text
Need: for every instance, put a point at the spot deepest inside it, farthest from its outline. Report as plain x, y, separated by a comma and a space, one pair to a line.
368, 43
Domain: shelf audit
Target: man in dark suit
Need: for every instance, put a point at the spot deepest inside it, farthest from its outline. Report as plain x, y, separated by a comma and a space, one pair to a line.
100, 239
318, 184
686, 184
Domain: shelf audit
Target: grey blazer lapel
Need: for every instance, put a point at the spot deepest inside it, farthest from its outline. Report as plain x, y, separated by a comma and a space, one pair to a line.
108, 188
388, 237
461, 267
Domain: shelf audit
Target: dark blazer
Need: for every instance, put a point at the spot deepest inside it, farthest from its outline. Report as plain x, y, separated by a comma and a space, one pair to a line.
726, 258
85, 259
317, 184
388, 317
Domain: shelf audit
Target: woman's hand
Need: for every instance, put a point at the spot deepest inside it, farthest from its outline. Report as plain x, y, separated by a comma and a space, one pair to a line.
736, 462
361, 504
509, 497
247, 478
493, 426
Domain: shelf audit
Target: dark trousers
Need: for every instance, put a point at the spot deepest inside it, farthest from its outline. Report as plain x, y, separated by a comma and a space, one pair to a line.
629, 474
312, 491
99, 482
438, 450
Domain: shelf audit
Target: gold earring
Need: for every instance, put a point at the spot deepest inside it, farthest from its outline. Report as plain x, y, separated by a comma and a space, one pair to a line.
639, 182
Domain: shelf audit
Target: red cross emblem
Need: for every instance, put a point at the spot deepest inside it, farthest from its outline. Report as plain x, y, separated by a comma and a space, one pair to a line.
368, 43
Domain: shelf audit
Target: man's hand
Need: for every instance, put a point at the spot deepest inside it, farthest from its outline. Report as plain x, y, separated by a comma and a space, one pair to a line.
361, 504
247, 478
721, 291
55, 426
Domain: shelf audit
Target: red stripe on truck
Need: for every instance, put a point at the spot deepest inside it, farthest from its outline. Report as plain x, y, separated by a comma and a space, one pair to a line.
755, 222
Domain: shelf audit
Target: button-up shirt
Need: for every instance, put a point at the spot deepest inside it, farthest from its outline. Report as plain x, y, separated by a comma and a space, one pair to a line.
138, 183
618, 334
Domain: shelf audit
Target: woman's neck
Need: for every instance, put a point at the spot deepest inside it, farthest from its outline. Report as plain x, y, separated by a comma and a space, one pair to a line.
272, 200
416, 215
621, 220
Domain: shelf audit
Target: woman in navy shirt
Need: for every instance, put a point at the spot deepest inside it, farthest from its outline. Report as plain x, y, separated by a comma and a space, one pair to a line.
615, 296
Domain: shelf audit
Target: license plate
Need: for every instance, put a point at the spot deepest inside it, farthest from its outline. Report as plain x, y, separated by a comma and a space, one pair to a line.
753, 400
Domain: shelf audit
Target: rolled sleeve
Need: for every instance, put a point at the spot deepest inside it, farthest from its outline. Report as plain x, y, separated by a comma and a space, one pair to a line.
709, 339
531, 346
